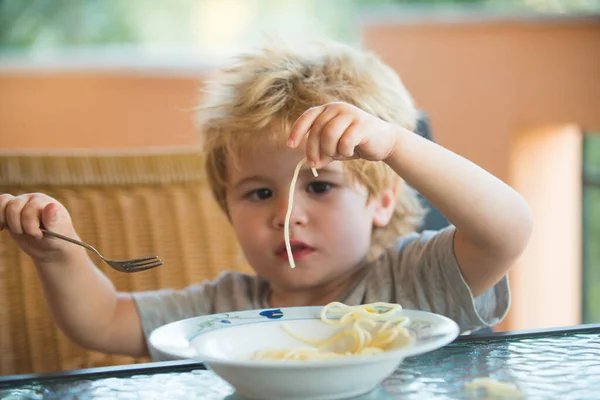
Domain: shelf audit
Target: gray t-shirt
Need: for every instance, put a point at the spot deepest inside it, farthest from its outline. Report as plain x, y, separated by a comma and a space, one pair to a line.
419, 272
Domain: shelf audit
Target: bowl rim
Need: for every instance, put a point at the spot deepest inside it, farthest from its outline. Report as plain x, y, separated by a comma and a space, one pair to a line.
185, 349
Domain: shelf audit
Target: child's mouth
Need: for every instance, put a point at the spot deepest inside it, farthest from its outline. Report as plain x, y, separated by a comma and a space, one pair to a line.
299, 250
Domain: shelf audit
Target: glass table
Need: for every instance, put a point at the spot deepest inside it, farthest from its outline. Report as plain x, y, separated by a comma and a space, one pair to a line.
544, 364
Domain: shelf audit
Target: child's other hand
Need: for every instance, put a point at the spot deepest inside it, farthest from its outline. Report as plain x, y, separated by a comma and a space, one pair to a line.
341, 131
23, 216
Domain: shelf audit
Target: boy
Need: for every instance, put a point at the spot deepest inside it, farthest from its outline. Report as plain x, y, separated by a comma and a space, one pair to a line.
352, 227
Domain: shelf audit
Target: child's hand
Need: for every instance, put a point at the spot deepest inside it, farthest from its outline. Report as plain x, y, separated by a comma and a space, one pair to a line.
341, 131
23, 216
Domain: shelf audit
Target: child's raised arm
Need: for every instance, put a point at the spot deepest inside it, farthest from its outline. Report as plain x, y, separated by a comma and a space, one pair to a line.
493, 222
83, 301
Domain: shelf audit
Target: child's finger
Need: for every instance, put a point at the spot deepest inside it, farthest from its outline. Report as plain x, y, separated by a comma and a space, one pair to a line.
331, 135
323, 119
351, 138
13, 213
56, 218
313, 146
303, 125
4, 200
315, 137
31, 216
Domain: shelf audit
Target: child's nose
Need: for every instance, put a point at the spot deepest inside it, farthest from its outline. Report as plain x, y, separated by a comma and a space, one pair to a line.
297, 215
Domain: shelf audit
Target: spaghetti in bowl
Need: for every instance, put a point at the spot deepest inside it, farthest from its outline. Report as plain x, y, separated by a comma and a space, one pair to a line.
294, 353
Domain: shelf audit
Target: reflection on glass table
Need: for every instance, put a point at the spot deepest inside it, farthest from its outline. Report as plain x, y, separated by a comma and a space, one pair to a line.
545, 364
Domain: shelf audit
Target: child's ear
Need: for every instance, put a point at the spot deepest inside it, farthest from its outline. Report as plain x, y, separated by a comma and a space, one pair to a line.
384, 206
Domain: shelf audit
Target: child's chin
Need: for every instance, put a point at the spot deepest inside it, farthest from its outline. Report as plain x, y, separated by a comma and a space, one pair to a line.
300, 281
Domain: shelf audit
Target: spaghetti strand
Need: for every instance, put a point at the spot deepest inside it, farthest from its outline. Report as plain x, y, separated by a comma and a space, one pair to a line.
288, 214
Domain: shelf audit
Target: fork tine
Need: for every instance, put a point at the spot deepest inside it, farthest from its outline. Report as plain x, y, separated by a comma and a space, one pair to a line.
143, 267
138, 260
137, 264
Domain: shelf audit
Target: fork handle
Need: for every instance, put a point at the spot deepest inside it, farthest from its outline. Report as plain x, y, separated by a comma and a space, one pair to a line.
68, 239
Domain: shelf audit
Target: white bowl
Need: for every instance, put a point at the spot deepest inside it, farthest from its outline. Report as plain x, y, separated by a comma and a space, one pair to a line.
225, 342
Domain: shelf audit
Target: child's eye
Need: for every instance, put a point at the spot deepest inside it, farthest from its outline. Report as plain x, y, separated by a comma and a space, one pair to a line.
259, 194
319, 187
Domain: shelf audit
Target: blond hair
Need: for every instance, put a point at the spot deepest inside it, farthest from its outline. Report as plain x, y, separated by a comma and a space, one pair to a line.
263, 93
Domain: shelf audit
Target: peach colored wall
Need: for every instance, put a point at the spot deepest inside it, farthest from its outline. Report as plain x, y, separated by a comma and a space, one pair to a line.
482, 83
499, 93
55, 109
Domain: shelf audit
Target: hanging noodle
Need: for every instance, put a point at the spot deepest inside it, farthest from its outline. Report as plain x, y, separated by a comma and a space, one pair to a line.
286, 226
370, 330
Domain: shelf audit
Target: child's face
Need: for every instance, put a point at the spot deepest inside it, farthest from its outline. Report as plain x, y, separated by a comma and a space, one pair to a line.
330, 225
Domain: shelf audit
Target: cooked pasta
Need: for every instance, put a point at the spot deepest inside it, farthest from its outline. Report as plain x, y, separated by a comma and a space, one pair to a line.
370, 330
286, 226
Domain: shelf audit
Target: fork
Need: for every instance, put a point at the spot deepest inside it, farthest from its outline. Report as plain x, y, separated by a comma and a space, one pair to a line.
132, 265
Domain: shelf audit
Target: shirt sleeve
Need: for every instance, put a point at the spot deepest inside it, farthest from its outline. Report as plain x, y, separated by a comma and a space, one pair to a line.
160, 307
231, 291
429, 272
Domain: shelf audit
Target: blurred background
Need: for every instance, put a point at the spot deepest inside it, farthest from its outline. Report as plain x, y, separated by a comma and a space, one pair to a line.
96, 108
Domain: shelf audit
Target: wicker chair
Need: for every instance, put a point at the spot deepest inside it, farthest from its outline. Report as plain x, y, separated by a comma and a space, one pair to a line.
127, 205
